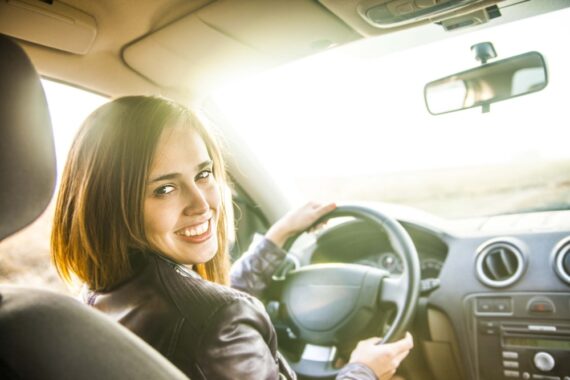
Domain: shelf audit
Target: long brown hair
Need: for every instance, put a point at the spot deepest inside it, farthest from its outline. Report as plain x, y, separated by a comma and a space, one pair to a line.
99, 211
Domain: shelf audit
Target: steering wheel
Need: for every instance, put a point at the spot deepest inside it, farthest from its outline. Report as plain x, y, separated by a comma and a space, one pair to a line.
320, 307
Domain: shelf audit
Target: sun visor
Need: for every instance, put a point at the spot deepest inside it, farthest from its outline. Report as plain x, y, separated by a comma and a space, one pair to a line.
189, 52
52, 24
227, 40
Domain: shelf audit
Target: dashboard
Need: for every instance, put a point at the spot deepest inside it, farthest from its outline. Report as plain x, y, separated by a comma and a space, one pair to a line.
391, 262
501, 306
358, 242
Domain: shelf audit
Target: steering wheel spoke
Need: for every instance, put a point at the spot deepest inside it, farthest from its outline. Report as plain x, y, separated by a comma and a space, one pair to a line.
319, 359
393, 291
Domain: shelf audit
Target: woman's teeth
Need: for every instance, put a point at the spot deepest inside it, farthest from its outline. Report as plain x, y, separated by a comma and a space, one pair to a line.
196, 230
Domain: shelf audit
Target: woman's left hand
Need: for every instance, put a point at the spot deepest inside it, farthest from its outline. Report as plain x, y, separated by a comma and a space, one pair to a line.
297, 220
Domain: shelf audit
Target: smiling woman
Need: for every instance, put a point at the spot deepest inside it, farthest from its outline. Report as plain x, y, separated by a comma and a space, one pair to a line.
107, 170
141, 220
182, 203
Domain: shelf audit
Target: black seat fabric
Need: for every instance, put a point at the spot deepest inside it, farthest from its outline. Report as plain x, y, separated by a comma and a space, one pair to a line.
27, 156
44, 335
51, 336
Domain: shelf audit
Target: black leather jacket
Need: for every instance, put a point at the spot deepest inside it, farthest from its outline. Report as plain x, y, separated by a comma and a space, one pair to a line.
207, 330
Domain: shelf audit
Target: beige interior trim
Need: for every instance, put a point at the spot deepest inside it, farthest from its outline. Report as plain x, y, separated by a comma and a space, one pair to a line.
441, 331
228, 40
189, 52
56, 25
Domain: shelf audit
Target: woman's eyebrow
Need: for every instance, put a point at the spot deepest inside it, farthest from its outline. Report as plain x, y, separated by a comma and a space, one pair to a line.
201, 166
205, 164
164, 177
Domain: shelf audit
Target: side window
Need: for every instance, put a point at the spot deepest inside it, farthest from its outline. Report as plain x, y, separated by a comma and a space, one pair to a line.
24, 257
248, 220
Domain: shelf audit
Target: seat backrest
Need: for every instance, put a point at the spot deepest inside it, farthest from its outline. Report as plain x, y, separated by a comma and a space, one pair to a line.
44, 335
27, 155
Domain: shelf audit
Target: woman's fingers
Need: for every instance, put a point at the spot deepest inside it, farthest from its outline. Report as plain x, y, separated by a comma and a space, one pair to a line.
297, 221
312, 211
404, 344
383, 359
322, 209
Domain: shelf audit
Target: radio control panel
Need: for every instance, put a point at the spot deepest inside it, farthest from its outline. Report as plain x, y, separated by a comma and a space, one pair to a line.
522, 336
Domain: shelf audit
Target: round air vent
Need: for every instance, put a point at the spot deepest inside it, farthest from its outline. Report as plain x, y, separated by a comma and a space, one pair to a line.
562, 260
500, 263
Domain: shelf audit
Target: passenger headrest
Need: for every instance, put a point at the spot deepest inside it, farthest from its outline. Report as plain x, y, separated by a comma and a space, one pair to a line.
27, 154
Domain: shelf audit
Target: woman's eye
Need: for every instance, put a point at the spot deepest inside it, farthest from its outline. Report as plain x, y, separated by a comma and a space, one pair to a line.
163, 190
204, 174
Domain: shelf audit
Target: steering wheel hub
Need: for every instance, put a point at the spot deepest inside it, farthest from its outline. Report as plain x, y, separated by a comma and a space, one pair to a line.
330, 303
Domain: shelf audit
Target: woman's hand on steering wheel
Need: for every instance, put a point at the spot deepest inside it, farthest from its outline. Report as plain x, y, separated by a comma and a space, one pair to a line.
383, 359
297, 220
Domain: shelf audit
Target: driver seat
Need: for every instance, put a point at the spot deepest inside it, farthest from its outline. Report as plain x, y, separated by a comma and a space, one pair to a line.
44, 335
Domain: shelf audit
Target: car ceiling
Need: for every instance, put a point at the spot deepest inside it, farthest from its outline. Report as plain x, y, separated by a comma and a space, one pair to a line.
183, 49
186, 48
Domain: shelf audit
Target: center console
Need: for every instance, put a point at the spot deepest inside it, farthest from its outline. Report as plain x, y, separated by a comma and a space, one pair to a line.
521, 336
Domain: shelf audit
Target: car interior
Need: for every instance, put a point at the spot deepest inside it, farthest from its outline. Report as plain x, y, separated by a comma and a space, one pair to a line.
437, 125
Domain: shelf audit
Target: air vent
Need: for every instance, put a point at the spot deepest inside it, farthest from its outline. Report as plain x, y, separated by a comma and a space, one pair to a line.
562, 260
500, 263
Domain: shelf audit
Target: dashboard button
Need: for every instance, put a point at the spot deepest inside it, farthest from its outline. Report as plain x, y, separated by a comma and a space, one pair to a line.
485, 305
488, 324
510, 364
544, 377
511, 374
502, 306
541, 306
488, 328
510, 355
544, 361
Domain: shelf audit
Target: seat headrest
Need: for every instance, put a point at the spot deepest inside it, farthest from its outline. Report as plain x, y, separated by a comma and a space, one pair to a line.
27, 154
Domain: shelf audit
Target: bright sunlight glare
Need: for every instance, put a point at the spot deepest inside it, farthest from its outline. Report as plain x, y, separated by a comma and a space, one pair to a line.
348, 111
69, 106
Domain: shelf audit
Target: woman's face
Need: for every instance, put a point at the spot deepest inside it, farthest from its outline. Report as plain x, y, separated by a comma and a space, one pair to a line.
182, 199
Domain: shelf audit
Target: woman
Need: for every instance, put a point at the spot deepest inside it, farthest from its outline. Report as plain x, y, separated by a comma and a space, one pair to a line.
141, 220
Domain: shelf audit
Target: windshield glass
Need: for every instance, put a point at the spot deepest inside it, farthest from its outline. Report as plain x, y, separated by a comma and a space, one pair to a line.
351, 124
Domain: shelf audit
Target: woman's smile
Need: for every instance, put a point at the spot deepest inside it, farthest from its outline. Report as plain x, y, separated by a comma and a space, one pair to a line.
197, 233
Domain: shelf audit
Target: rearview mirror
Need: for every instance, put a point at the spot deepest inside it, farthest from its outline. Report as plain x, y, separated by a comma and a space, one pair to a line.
486, 84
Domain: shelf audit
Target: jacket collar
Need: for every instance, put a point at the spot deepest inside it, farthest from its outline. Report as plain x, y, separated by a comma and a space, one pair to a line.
178, 268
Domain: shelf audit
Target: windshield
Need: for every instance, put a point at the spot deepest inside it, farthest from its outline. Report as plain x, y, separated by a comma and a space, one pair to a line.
351, 124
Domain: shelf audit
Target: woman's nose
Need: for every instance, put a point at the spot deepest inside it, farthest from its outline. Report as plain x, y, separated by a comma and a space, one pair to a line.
196, 201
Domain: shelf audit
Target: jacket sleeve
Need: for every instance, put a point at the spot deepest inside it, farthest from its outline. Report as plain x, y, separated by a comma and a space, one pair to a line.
356, 371
238, 343
252, 272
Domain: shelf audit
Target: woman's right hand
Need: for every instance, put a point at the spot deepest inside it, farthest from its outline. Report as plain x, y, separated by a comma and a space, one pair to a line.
297, 221
383, 359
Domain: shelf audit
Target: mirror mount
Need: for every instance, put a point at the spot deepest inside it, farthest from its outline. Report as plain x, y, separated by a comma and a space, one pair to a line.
484, 51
